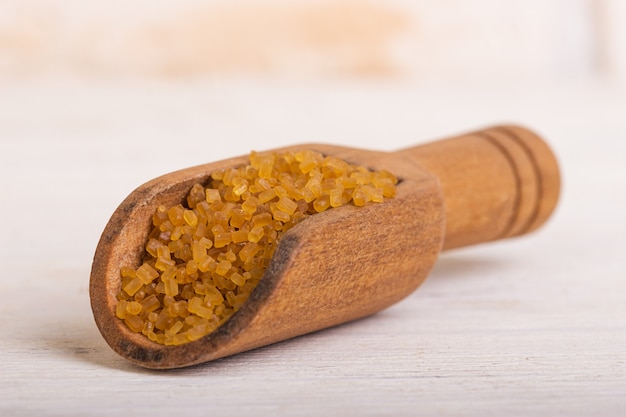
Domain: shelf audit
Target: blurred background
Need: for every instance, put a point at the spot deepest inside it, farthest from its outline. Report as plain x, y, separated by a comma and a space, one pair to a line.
424, 41
99, 97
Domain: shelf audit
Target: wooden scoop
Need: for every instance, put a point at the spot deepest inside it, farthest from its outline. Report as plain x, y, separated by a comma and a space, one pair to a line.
347, 262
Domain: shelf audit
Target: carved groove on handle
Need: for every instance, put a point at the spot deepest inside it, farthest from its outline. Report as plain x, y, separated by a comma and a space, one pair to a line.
498, 182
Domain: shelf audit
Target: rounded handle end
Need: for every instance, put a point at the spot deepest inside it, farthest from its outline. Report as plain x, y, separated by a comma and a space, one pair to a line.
498, 182
536, 171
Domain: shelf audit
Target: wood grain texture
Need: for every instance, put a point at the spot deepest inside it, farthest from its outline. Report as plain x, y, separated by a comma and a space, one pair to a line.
499, 182
345, 263
334, 267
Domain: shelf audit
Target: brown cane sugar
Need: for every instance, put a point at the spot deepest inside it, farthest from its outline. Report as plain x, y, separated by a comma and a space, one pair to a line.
205, 257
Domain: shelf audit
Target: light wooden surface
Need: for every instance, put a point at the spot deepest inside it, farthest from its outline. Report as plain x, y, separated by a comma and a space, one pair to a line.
528, 326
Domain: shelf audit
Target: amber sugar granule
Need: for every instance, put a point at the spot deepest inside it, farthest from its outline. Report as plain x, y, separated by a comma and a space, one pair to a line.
204, 258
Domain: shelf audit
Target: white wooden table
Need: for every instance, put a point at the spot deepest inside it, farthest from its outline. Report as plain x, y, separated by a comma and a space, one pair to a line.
532, 326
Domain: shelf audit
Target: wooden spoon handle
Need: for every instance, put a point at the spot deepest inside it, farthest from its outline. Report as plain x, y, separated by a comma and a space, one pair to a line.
497, 183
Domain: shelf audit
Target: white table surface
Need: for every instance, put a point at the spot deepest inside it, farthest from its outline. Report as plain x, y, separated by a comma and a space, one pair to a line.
528, 326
